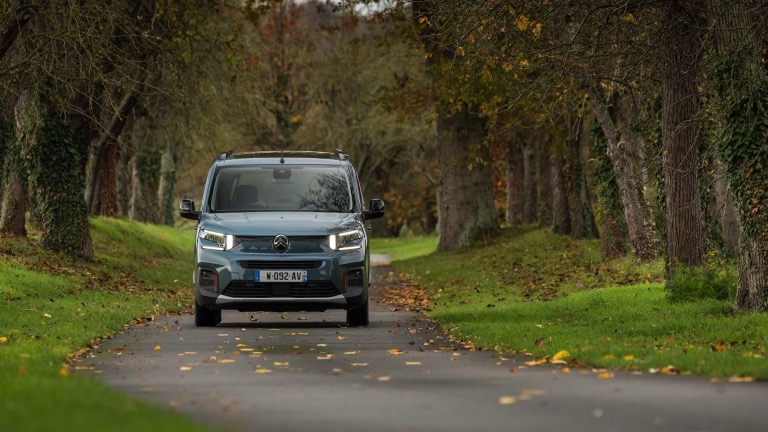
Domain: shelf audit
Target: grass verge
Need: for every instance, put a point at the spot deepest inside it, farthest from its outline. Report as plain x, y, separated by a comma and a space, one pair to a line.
404, 248
547, 296
52, 306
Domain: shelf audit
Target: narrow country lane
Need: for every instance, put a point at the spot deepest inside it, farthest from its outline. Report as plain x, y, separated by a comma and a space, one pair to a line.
309, 372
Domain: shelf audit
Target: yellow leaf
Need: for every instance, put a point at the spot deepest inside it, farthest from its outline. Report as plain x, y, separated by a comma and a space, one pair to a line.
628, 17
533, 363
359, 364
629, 357
326, 357
565, 370
422, 19
522, 22
609, 357
395, 351
412, 363
561, 355
460, 51
185, 368
605, 375
157, 348
281, 364
64, 371
3, 339
384, 378
225, 361
507, 400
342, 337
261, 371
241, 345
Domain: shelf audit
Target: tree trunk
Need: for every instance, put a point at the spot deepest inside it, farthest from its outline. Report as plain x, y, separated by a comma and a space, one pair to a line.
561, 215
725, 212
579, 202
613, 225
680, 128
101, 194
743, 92
531, 192
467, 212
515, 175
166, 186
542, 212
14, 205
20, 18
58, 174
619, 150
466, 208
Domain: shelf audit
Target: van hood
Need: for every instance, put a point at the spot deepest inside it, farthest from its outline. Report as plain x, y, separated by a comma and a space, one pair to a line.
287, 223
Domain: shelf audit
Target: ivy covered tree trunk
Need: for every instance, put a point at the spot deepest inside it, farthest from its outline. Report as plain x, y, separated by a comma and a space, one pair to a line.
579, 198
742, 88
58, 176
680, 132
616, 123
613, 233
467, 212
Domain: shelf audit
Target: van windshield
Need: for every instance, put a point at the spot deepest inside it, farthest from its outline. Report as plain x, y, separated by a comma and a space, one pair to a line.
317, 188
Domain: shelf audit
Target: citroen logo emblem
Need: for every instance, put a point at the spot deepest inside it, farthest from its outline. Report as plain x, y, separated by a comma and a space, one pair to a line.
280, 243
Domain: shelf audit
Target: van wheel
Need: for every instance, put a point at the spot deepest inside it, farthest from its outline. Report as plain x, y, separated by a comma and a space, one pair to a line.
358, 317
205, 317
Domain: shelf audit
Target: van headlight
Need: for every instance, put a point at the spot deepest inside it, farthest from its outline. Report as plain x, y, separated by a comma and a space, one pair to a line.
346, 240
215, 240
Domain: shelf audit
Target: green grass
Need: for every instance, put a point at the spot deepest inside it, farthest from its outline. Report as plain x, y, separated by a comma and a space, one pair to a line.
52, 306
537, 293
404, 248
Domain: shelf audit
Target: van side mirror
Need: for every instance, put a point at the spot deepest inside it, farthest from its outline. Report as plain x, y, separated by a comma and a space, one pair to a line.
187, 210
375, 209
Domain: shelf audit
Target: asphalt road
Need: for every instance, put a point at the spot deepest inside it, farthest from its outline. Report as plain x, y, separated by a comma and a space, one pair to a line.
308, 372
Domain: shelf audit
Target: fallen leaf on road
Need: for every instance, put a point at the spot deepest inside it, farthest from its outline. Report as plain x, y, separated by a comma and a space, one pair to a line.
281, 364
605, 375
413, 363
185, 368
561, 355
325, 357
527, 393
190, 352
565, 370
507, 400
241, 345
395, 351
322, 345
738, 379
157, 348
359, 364
222, 334
384, 378
352, 352
342, 337
225, 361
533, 362
261, 371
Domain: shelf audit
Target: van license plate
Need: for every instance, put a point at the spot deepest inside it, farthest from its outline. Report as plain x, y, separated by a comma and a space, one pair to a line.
281, 276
